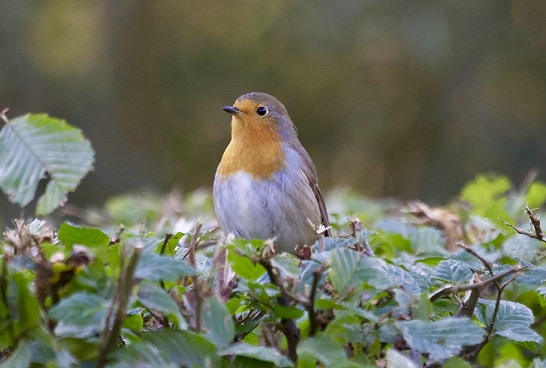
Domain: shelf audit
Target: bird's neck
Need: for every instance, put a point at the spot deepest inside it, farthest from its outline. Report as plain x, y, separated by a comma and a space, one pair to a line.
254, 149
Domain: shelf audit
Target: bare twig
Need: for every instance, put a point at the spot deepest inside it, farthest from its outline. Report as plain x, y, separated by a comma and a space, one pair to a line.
310, 305
193, 243
3, 116
476, 350
118, 311
455, 289
475, 254
535, 221
161, 252
197, 285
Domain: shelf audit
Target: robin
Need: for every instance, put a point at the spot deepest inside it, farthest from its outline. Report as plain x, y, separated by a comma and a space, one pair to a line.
266, 184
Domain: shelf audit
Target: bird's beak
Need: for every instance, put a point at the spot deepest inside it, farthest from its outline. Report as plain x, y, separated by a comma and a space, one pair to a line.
232, 110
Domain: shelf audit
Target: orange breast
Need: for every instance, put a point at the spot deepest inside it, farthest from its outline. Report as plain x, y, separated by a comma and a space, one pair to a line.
255, 149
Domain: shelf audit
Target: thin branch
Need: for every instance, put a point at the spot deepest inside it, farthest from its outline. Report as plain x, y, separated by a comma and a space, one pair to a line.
310, 306
3, 115
475, 254
535, 221
287, 325
455, 289
476, 350
161, 252
119, 310
195, 280
193, 243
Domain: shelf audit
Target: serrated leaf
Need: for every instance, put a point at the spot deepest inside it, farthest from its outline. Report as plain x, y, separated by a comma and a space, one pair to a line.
260, 353
453, 271
33, 146
513, 320
403, 279
217, 322
521, 246
441, 339
154, 267
333, 243
349, 269
532, 275
80, 315
88, 236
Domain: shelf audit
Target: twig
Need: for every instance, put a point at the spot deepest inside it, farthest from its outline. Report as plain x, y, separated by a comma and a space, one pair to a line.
287, 326
161, 252
195, 281
535, 221
310, 305
476, 350
455, 289
118, 311
193, 243
468, 306
3, 115
475, 254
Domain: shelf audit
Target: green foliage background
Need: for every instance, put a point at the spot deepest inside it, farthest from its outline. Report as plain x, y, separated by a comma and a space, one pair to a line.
141, 281
403, 98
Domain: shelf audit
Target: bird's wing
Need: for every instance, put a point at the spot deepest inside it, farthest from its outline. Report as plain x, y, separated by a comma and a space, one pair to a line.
311, 174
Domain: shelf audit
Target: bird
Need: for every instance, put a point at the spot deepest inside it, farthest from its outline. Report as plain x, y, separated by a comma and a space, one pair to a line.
266, 184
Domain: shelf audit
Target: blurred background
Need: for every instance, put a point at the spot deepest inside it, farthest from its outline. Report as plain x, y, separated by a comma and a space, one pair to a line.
391, 98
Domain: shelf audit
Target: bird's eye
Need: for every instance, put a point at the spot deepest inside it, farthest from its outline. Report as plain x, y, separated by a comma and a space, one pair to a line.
261, 111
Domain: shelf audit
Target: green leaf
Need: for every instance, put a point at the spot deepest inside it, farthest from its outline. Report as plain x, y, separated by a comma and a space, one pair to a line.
153, 267
21, 357
428, 240
453, 271
349, 269
169, 348
287, 312
486, 195
513, 320
441, 339
217, 322
244, 267
153, 297
536, 195
260, 353
22, 312
171, 244
324, 348
42, 146
88, 236
403, 279
287, 264
396, 359
80, 315
134, 322
521, 246
532, 275
456, 362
